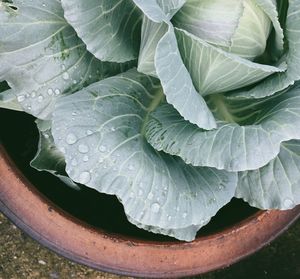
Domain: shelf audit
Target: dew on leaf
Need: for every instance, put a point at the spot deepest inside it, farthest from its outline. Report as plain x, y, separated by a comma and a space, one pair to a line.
71, 139
102, 148
82, 148
84, 177
155, 207
288, 203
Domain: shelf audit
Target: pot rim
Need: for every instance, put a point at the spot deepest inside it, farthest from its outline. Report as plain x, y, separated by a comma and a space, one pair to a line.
54, 228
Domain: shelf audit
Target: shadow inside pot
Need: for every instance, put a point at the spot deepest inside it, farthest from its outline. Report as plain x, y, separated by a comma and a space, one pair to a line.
19, 136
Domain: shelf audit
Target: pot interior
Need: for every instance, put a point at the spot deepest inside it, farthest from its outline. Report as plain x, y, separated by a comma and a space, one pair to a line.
19, 136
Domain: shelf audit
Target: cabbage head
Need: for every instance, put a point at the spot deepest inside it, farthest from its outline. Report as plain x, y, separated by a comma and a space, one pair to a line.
173, 106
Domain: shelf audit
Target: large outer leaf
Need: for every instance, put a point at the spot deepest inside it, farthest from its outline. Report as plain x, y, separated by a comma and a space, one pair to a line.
177, 84
231, 146
109, 28
276, 185
101, 128
218, 71
41, 57
281, 81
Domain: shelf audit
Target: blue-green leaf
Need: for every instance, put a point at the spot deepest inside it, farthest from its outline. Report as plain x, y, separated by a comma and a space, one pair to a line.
233, 147
276, 185
109, 28
101, 131
177, 84
41, 56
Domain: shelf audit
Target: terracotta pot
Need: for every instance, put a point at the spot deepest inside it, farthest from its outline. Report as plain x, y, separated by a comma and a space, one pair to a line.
30, 210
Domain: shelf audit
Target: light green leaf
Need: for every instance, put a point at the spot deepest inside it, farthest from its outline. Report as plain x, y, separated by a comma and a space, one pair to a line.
233, 147
109, 28
270, 9
214, 21
177, 84
42, 58
48, 157
281, 81
152, 32
101, 128
218, 71
159, 10
276, 185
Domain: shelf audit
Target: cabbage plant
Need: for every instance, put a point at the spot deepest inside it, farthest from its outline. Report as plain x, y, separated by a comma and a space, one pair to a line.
173, 106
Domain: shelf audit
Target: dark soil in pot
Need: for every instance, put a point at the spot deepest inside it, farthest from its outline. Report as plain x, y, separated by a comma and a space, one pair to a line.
19, 136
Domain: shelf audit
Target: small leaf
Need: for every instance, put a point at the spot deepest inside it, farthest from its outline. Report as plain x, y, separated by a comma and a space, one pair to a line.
48, 157
281, 81
218, 71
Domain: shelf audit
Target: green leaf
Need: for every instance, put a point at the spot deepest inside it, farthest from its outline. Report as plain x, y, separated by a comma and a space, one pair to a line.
41, 56
159, 10
152, 32
276, 185
177, 84
218, 71
281, 81
101, 131
48, 157
109, 28
233, 147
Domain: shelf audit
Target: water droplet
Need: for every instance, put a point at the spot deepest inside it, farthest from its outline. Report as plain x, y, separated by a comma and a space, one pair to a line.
288, 203
131, 167
74, 162
113, 129
150, 196
65, 76
50, 91
85, 158
184, 215
101, 160
21, 98
74, 81
29, 107
57, 91
84, 177
102, 148
71, 139
62, 150
33, 94
74, 113
131, 194
63, 67
89, 132
155, 207
46, 136
169, 218
40, 98
82, 148
140, 192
